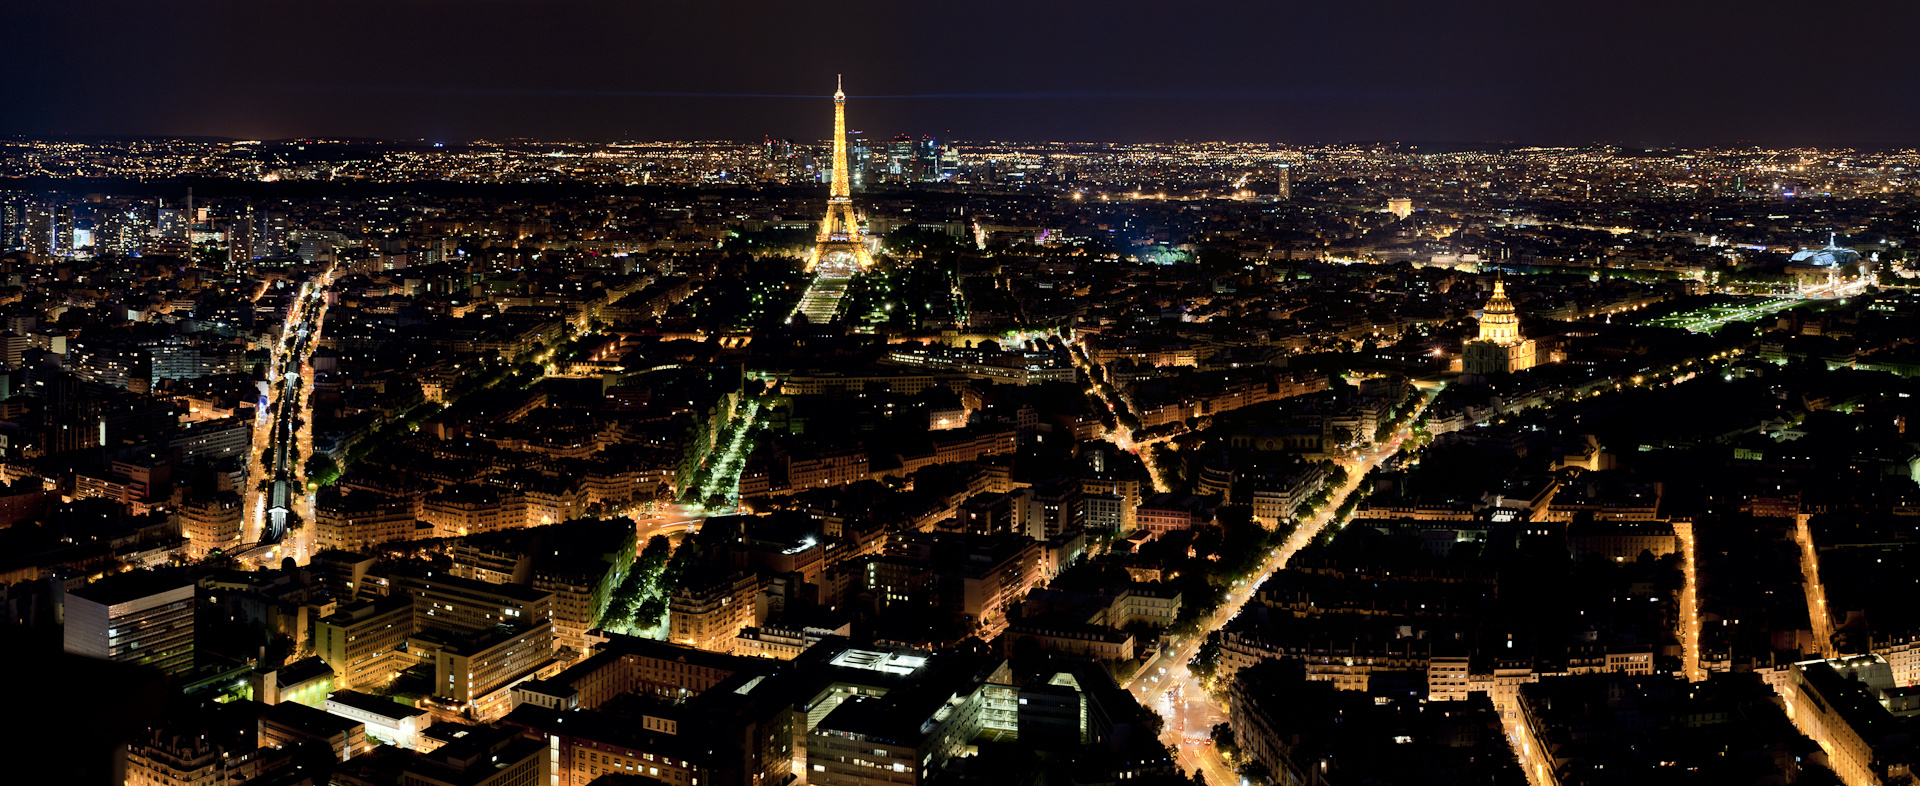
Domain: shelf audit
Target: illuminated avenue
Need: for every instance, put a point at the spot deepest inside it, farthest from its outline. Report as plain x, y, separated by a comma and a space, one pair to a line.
851, 462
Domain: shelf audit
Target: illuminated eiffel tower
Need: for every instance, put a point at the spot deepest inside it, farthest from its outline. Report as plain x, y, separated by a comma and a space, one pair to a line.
839, 249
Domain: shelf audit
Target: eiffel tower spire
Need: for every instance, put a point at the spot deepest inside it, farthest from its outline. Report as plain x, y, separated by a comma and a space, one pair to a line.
839, 241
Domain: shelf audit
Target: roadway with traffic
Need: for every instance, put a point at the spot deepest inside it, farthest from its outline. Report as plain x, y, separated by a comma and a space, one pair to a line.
284, 437
1166, 683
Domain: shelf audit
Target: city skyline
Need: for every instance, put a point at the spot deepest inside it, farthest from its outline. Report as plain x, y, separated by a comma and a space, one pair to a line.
409, 431
1638, 74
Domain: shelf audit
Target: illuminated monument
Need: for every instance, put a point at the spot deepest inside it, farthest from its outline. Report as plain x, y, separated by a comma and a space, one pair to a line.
840, 249
1500, 348
1826, 271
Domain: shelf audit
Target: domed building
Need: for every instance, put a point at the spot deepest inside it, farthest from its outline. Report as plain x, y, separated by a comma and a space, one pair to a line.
1500, 347
1818, 270
1831, 256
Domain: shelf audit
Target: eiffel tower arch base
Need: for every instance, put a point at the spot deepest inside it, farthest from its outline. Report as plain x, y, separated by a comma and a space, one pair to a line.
839, 249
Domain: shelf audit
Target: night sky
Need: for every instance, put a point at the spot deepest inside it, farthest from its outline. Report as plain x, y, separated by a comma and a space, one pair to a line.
1634, 72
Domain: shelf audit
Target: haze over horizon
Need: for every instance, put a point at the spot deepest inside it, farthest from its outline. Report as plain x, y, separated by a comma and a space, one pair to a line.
1637, 73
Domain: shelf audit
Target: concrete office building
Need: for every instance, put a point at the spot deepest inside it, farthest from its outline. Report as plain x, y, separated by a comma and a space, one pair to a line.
478, 672
142, 617
362, 641
462, 605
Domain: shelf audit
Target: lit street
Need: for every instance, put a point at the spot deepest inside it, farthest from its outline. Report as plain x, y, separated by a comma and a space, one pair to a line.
1196, 711
283, 438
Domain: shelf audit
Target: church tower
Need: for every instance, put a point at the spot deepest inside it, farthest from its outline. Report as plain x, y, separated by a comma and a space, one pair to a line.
839, 245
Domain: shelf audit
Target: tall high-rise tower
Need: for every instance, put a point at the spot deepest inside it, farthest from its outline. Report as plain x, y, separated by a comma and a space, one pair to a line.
839, 245
240, 237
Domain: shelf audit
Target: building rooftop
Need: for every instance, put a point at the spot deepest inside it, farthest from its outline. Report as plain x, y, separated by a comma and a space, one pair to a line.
304, 670
378, 705
475, 753
307, 720
126, 587
1830, 256
432, 578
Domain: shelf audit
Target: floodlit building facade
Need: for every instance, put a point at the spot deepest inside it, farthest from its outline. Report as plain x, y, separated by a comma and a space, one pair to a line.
1500, 349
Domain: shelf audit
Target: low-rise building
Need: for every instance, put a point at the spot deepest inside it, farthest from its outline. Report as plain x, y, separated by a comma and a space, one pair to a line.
1847, 705
286, 725
1163, 513
484, 757
389, 721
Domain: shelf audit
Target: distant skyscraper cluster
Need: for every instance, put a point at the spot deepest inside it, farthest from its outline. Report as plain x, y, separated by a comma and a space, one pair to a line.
905, 159
65, 227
